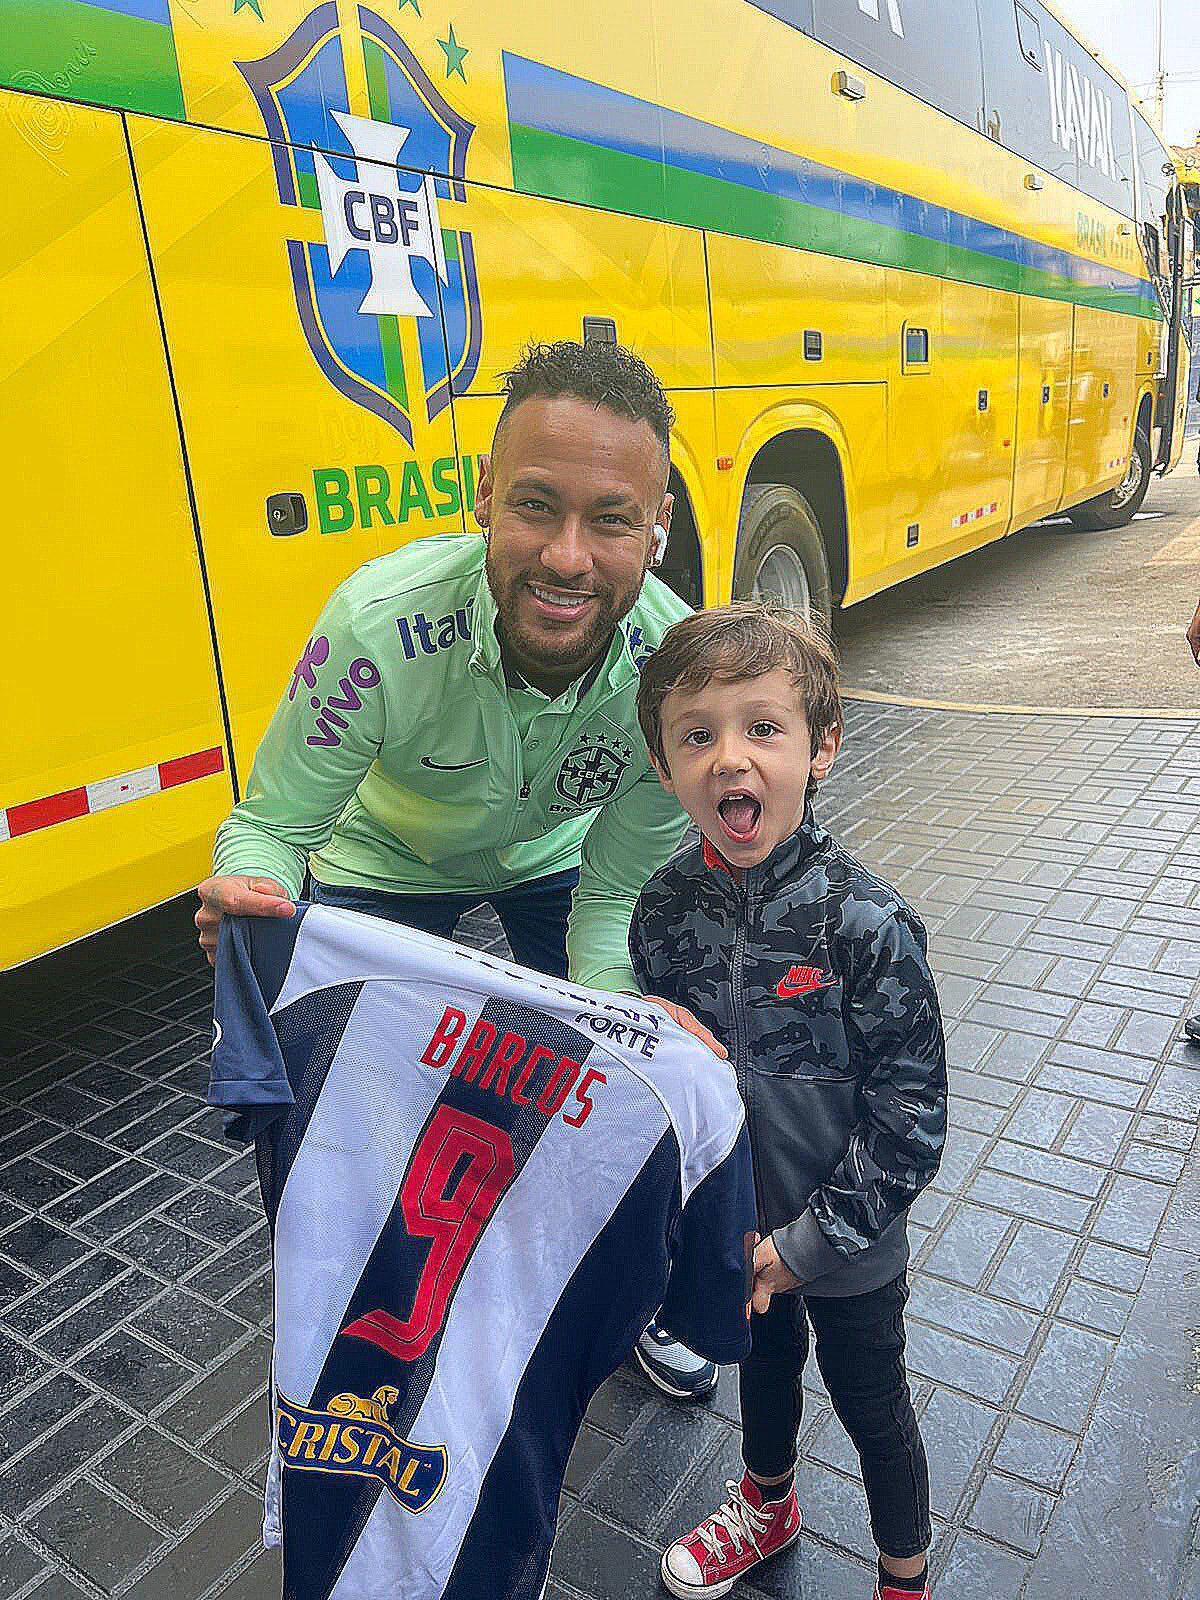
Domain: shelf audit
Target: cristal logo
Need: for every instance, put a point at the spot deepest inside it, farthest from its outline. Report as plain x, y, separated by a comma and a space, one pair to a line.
361, 674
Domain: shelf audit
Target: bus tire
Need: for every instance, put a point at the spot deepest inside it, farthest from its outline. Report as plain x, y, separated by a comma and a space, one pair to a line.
1118, 506
780, 552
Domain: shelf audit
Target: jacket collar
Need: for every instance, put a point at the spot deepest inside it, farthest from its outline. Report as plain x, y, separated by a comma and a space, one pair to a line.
790, 857
615, 672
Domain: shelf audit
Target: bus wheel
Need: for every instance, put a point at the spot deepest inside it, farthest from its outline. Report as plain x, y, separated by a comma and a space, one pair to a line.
1117, 507
780, 552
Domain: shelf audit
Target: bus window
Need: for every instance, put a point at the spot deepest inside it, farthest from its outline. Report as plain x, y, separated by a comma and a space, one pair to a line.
932, 50
797, 13
1049, 100
1029, 36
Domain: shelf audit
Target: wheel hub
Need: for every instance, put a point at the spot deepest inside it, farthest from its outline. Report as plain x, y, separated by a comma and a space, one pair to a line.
780, 575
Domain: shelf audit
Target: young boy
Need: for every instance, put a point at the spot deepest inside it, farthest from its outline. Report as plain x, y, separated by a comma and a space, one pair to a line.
812, 970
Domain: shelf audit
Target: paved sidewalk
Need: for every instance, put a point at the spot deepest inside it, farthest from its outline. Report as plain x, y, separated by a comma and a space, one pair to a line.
1055, 1313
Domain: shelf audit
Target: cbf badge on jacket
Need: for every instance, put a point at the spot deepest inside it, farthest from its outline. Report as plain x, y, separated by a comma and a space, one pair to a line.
391, 249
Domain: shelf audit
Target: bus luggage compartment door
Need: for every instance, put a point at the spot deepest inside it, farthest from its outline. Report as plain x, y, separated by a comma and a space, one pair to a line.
113, 772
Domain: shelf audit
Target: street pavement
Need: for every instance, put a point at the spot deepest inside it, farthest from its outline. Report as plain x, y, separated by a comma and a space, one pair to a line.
1050, 616
1054, 1324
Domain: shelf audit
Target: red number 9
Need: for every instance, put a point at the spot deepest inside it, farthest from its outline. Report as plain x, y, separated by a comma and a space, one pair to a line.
451, 1221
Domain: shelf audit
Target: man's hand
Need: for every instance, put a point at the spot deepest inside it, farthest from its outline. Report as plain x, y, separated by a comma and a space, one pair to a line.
1193, 636
685, 1019
771, 1275
237, 895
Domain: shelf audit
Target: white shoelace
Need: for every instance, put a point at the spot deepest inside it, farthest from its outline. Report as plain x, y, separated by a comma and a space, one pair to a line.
740, 1520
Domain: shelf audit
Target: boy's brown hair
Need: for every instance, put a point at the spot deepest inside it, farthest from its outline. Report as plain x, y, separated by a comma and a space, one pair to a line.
736, 643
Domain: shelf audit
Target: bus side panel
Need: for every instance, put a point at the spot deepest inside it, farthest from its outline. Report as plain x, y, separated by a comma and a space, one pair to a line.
767, 298
979, 341
113, 771
916, 418
1043, 408
853, 417
266, 411
544, 266
1101, 402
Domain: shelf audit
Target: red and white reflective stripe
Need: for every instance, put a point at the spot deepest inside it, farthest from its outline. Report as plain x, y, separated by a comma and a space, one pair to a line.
31, 815
974, 516
1117, 461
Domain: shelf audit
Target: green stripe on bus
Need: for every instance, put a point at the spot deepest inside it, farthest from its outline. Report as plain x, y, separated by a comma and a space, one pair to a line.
393, 360
570, 169
377, 89
310, 195
81, 52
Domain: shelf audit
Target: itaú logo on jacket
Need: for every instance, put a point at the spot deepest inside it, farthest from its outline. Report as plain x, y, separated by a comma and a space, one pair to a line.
803, 980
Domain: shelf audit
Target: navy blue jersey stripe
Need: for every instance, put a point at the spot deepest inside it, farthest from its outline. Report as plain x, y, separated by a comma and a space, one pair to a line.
323, 1528
610, 1297
309, 1033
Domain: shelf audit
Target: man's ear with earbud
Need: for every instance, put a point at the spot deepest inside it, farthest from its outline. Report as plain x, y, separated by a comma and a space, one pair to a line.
658, 545
483, 495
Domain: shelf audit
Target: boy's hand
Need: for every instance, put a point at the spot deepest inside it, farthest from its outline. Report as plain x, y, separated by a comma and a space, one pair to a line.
771, 1275
685, 1019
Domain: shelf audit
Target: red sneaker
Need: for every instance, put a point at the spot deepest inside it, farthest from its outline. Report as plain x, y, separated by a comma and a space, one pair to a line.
709, 1560
884, 1591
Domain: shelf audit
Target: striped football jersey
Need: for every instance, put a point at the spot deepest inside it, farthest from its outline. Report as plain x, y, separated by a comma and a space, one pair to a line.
481, 1184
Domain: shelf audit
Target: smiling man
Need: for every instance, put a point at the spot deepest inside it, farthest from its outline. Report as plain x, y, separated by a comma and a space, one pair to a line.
462, 727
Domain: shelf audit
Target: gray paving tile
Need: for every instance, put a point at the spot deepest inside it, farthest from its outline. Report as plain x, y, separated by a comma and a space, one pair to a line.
978, 1316
95, 1533
132, 1370
1011, 1512
1103, 1309
600, 1561
1065, 1377
1033, 1451
161, 1477
1131, 1213
1032, 1265
213, 1546
945, 1358
1021, 1198
1039, 1118
1041, 1167
633, 1486
976, 1567
967, 1243
19, 1563
955, 1429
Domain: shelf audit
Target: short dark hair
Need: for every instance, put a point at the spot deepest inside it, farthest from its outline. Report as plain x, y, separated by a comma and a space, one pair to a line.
608, 375
736, 643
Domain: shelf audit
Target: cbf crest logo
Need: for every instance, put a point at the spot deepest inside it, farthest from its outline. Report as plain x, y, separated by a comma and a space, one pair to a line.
393, 255
592, 772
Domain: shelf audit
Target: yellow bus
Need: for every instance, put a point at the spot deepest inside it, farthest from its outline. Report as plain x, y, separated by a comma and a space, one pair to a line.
910, 269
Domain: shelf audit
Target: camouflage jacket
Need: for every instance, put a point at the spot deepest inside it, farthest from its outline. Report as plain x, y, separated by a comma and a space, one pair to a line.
813, 972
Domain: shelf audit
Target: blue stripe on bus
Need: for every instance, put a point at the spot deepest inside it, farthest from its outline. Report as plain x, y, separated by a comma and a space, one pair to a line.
553, 101
148, 10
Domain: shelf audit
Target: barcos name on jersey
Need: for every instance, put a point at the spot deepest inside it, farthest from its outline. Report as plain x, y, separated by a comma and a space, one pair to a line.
488, 1058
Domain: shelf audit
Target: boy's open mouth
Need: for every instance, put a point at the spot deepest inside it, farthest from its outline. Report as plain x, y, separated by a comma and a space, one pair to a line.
738, 813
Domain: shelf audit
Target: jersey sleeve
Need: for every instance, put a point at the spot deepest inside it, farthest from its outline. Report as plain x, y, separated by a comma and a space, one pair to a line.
712, 1264
311, 759
630, 839
248, 1078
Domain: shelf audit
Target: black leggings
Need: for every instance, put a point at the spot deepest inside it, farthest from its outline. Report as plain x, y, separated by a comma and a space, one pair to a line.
860, 1351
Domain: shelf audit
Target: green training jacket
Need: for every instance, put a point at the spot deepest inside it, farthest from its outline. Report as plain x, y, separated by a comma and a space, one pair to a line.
400, 758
